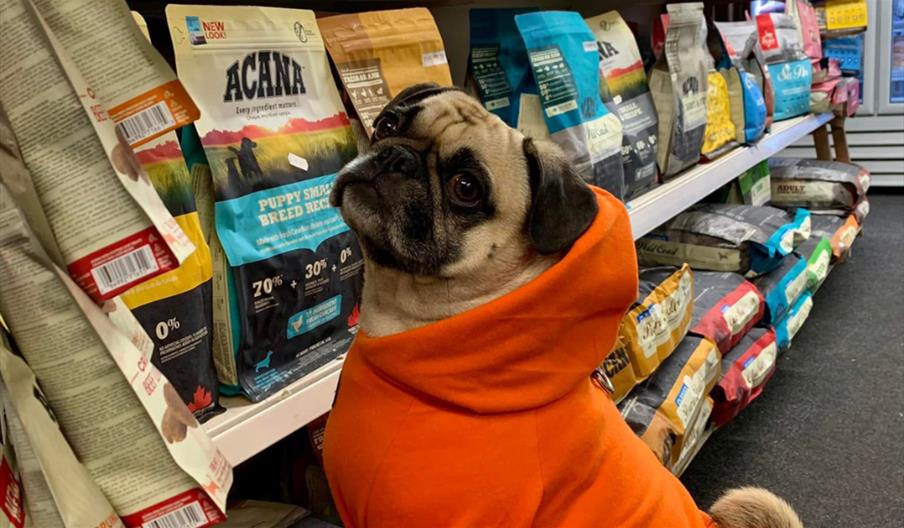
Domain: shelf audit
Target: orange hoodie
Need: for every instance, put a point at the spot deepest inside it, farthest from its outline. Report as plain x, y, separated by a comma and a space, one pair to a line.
490, 418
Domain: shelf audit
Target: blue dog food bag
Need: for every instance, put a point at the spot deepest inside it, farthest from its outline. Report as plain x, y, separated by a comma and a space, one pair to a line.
791, 82
288, 271
564, 59
499, 69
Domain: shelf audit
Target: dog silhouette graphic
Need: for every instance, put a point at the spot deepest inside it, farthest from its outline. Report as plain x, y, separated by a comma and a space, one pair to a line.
263, 364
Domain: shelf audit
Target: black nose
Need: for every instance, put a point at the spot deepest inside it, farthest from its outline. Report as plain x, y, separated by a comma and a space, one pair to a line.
398, 159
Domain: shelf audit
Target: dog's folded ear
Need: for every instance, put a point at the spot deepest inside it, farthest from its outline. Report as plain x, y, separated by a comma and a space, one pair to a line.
562, 205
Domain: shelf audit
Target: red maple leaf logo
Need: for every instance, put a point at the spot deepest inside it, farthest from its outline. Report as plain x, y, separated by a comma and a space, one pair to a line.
200, 400
353, 317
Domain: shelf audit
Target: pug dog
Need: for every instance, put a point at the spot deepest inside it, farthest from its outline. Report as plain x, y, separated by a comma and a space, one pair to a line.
454, 209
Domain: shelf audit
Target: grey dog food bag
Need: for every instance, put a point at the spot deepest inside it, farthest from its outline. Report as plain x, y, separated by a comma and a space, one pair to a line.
745, 239
678, 84
824, 187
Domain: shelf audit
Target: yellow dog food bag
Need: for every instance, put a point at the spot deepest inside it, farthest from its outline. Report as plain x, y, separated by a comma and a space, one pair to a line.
659, 319
664, 409
380, 53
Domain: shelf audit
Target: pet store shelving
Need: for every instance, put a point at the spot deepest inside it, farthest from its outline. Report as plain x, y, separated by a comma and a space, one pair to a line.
246, 429
652, 209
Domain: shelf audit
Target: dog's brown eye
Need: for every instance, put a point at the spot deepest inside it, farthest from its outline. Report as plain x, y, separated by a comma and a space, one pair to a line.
386, 125
465, 189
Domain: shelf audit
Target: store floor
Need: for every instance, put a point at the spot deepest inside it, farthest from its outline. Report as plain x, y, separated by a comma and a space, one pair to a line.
828, 432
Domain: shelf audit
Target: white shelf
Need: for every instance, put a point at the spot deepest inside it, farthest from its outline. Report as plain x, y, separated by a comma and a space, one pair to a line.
667, 200
246, 429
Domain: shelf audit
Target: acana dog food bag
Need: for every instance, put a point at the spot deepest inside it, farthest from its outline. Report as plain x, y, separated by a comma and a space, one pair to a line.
678, 83
175, 308
782, 287
125, 422
624, 89
823, 187
787, 328
726, 306
564, 59
745, 370
275, 134
659, 319
746, 239
498, 67
111, 228
380, 53
677, 392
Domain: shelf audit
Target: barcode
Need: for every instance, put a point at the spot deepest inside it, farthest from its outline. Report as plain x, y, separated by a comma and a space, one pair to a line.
125, 269
188, 516
147, 122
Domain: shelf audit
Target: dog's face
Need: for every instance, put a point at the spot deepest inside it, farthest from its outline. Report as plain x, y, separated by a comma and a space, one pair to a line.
445, 184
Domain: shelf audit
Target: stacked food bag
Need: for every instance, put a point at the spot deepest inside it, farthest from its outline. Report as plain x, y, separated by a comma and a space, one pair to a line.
785, 248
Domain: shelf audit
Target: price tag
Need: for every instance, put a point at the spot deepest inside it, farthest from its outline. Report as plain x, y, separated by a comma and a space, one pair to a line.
845, 14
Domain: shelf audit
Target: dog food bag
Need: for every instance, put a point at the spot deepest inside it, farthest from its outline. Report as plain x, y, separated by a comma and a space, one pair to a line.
126, 423
752, 187
726, 306
817, 251
112, 229
746, 104
782, 287
745, 239
694, 437
803, 14
659, 319
841, 232
724, 101
617, 367
791, 82
564, 58
498, 65
275, 134
742, 45
778, 38
787, 328
678, 82
676, 391
823, 187
175, 308
623, 85
745, 370
380, 53
54, 488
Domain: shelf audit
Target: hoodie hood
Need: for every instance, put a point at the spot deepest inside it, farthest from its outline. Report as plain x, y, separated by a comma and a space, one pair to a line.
531, 346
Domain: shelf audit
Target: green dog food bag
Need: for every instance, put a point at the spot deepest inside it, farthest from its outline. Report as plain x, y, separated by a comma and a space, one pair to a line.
564, 59
624, 89
678, 82
275, 134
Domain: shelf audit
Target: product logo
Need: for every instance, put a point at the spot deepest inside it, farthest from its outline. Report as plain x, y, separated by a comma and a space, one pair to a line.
199, 32
195, 33
791, 72
263, 74
299, 32
606, 50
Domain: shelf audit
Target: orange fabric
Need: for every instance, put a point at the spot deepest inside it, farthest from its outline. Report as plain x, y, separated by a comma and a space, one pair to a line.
489, 418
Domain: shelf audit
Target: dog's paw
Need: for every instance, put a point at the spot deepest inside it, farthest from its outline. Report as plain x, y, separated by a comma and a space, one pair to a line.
753, 508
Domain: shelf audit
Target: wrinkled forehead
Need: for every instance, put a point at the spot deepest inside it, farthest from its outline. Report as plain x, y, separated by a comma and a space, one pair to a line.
447, 121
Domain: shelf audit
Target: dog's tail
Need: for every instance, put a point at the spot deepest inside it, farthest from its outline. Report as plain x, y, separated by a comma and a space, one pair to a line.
753, 508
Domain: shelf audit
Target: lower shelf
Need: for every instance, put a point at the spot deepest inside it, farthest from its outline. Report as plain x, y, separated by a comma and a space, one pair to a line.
246, 428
